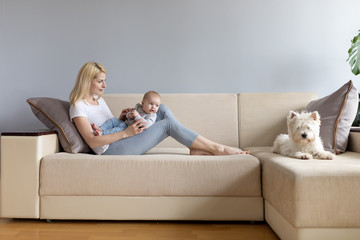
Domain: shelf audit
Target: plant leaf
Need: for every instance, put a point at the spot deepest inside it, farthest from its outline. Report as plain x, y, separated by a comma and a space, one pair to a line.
354, 55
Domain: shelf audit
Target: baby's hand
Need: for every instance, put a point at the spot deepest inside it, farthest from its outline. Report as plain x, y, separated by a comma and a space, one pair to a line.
133, 114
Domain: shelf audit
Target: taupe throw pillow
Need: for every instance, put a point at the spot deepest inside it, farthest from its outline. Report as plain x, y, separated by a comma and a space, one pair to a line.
337, 113
54, 114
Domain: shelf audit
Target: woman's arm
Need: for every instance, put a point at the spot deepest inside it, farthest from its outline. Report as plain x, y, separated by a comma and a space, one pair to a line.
84, 127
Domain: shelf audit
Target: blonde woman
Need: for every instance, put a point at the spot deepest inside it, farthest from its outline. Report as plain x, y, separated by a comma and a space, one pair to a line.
87, 107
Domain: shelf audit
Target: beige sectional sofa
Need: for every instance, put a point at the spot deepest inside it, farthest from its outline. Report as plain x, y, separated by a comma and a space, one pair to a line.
300, 199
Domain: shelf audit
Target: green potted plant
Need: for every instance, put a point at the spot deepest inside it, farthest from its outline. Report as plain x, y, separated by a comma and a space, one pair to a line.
354, 61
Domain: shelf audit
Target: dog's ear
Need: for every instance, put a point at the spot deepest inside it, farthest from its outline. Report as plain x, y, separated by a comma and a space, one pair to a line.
315, 115
292, 114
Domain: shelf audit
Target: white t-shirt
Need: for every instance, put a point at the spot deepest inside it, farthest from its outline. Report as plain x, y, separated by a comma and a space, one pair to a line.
97, 114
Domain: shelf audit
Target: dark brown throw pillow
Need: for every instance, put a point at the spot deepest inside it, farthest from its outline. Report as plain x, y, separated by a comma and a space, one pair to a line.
337, 113
54, 114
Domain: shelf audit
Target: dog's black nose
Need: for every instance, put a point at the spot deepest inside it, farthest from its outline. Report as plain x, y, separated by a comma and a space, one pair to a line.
304, 135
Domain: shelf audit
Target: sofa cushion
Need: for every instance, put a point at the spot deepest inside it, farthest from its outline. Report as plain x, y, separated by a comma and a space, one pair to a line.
65, 174
206, 114
337, 111
262, 116
54, 114
312, 193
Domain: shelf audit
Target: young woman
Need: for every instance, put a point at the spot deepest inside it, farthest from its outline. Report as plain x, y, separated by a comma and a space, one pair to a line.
88, 107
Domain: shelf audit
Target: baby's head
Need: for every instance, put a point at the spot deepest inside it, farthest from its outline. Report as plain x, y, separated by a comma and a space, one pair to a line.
151, 102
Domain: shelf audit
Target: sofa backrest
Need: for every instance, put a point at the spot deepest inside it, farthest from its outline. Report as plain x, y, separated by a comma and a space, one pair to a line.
212, 115
262, 116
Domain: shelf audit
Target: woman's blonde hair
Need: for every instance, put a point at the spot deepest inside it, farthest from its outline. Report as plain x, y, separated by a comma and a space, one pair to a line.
83, 81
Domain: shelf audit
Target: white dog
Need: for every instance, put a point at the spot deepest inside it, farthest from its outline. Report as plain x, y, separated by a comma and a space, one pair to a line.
303, 140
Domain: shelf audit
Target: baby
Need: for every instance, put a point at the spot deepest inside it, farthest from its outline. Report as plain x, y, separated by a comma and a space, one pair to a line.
145, 111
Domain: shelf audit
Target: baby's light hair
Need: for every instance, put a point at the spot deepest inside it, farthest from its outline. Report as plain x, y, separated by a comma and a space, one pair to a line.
150, 93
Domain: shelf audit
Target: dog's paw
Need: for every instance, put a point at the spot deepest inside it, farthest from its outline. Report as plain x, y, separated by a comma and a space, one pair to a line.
324, 155
302, 155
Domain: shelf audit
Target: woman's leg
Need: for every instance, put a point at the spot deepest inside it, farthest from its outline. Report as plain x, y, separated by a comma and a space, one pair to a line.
201, 145
167, 125
204, 146
149, 138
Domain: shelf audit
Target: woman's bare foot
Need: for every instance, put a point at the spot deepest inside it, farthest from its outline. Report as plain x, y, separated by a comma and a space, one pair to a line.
97, 130
225, 150
203, 146
222, 150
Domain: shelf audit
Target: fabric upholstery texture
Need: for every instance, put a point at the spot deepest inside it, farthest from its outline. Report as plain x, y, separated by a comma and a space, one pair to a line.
54, 114
262, 116
312, 193
337, 111
65, 174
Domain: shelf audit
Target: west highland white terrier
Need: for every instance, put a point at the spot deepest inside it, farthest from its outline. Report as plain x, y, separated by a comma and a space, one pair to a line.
303, 140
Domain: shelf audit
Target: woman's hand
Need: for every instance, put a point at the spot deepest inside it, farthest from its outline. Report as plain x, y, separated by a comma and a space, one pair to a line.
135, 128
123, 113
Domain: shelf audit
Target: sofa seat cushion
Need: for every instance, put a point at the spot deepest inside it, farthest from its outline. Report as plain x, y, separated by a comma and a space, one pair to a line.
65, 174
312, 193
169, 150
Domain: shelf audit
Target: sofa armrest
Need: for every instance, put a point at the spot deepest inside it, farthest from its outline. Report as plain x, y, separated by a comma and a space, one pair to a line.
19, 180
354, 140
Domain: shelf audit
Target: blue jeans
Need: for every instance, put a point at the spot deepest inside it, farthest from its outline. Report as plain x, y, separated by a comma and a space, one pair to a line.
166, 125
113, 125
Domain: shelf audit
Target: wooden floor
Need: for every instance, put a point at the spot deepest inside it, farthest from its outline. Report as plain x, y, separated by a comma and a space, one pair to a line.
99, 230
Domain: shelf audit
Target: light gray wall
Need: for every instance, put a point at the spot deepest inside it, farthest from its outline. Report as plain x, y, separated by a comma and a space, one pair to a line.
172, 46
